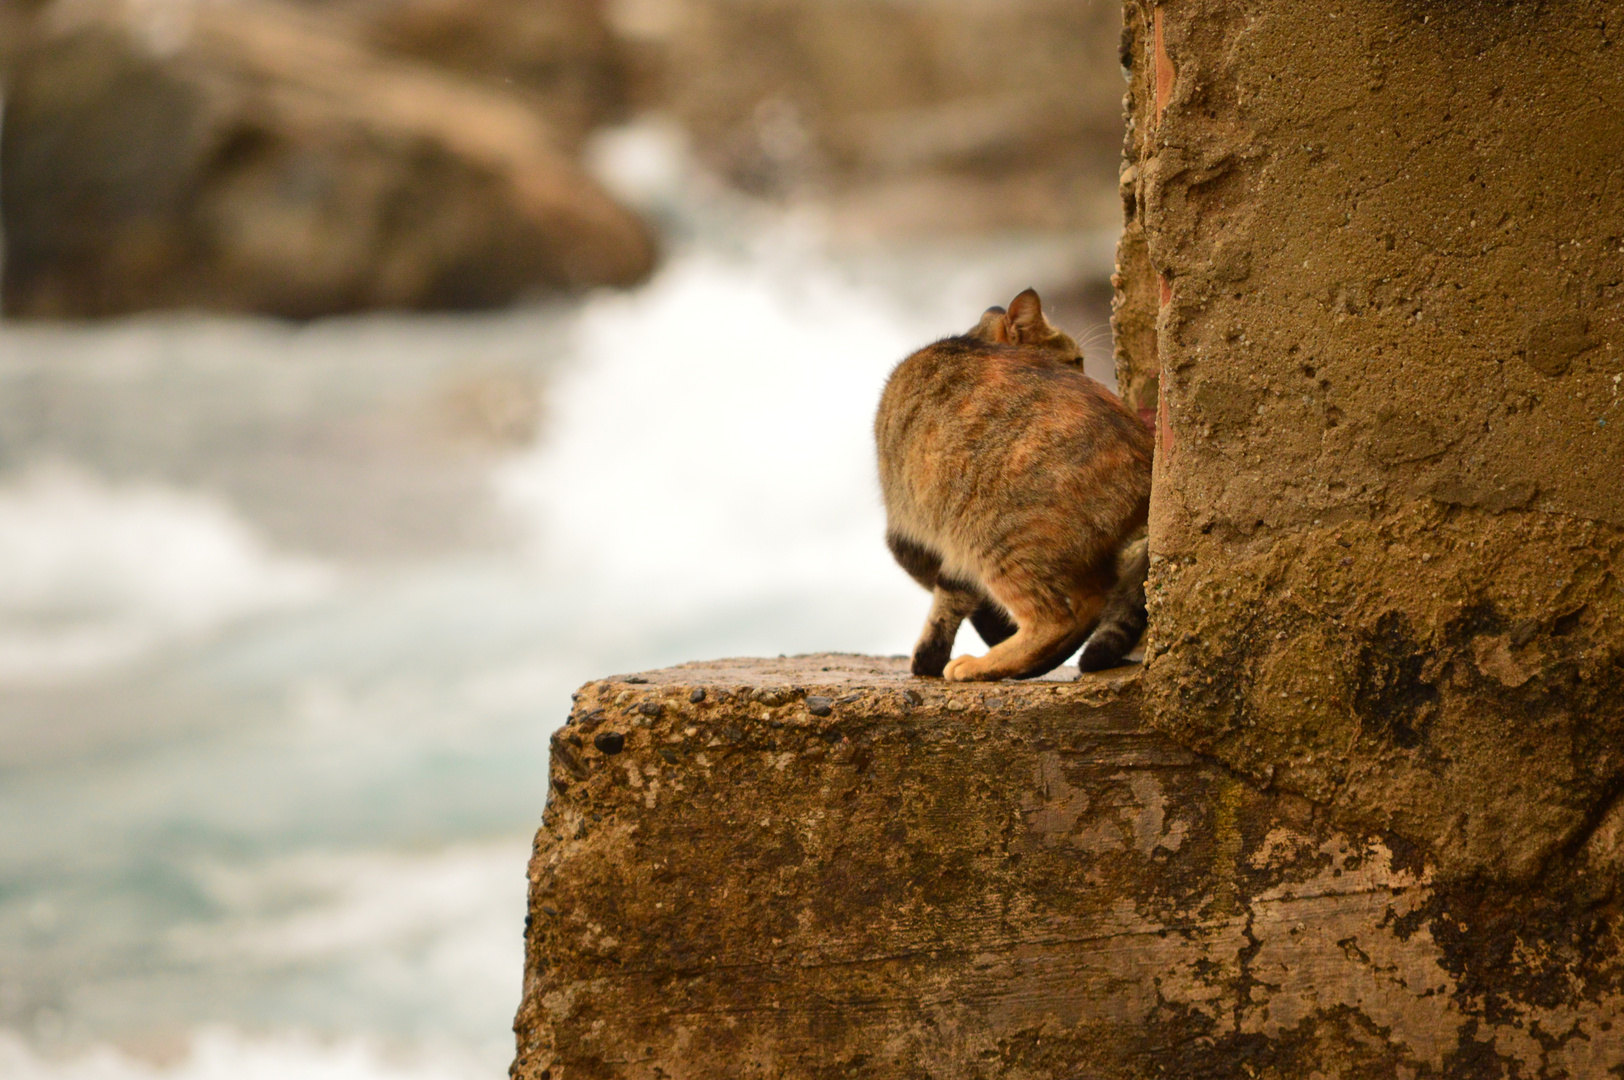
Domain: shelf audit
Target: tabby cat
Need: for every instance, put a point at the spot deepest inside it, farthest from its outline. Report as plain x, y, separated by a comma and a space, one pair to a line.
1016, 490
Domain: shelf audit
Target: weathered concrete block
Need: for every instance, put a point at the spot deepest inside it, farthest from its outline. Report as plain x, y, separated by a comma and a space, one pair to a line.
1383, 245
821, 867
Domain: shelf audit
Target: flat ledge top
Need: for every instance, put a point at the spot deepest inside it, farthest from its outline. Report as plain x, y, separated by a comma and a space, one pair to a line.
840, 669
834, 674
835, 698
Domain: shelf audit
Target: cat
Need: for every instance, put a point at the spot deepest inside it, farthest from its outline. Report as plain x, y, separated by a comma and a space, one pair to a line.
1016, 490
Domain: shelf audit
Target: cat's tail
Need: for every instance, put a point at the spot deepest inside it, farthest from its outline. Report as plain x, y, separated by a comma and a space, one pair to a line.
1123, 618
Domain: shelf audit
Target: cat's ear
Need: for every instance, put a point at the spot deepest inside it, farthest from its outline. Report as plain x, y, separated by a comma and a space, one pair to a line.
993, 327
1026, 322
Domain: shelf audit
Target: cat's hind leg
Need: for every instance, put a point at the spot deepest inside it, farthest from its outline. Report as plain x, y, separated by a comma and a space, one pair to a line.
951, 603
1047, 633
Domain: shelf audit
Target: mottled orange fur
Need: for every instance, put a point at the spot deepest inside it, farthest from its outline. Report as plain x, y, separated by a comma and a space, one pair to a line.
1016, 490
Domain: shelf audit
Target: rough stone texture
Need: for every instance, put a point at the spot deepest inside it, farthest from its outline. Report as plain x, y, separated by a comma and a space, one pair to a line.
1135, 287
821, 867
250, 156
1389, 249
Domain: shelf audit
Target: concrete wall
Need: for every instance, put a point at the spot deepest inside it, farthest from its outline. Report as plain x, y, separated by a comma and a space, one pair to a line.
821, 867
1387, 247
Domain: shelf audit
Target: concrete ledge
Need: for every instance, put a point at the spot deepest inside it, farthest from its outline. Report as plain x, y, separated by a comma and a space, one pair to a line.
821, 867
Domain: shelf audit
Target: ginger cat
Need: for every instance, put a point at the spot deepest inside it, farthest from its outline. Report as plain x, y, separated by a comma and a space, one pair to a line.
1016, 490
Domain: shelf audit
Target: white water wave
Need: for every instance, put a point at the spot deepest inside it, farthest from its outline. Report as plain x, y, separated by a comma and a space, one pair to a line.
93, 574
716, 451
456, 909
224, 1054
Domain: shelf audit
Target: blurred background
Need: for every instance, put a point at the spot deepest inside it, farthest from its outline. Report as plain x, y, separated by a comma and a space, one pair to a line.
374, 372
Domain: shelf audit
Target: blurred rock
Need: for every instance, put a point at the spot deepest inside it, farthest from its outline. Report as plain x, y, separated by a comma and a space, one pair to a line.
914, 115
558, 55
253, 156
16, 16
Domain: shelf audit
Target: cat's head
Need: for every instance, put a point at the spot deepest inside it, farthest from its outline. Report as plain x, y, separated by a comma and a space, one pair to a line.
1022, 323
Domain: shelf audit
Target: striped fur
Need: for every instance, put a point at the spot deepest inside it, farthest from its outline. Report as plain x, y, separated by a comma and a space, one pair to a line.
1016, 489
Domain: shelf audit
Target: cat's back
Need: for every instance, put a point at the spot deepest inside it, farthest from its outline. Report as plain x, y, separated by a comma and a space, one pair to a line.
930, 378
969, 430
962, 393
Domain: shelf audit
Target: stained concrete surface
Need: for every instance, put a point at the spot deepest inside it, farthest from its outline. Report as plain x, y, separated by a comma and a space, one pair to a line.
820, 867
1385, 242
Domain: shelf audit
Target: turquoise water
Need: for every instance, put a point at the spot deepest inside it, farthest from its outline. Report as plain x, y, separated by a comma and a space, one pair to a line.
287, 615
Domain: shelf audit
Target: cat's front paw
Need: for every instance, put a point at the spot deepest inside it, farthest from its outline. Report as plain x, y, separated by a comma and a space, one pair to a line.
930, 659
967, 669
